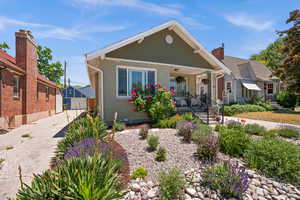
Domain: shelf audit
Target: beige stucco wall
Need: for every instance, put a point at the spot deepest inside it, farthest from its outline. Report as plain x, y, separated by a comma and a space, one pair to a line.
111, 102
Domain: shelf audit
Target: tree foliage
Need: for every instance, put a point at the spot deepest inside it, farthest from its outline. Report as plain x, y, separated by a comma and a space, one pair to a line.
271, 56
289, 70
4, 46
52, 70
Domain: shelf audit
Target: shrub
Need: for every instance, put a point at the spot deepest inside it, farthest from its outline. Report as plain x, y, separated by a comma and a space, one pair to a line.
288, 133
171, 122
208, 149
171, 184
270, 133
275, 158
161, 154
287, 100
86, 178
219, 127
153, 142
119, 126
156, 101
201, 131
233, 142
255, 129
86, 147
237, 108
231, 181
86, 127
139, 173
232, 124
185, 126
144, 133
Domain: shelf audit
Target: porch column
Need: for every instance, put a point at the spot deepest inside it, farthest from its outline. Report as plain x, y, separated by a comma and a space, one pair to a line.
209, 87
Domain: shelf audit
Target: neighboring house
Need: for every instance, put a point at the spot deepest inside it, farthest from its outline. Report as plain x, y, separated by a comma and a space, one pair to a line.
25, 95
248, 79
74, 99
163, 54
77, 97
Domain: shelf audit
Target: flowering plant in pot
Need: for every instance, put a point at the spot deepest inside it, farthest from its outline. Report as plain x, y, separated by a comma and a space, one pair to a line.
155, 100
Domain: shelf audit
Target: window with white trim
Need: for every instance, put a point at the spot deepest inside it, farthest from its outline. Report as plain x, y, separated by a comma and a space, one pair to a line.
16, 86
270, 88
130, 78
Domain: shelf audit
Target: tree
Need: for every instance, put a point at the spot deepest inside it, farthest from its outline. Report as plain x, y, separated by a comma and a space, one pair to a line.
4, 46
272, 56
53, 71
289, 70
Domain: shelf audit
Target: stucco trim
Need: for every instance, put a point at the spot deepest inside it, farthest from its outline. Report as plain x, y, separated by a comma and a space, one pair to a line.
102, 85
178, 29
156, 63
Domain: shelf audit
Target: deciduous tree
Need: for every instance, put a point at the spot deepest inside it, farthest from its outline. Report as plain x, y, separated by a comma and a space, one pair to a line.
289, 70
53, 71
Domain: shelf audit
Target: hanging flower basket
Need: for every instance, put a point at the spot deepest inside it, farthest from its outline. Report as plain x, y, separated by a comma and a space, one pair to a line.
179, 79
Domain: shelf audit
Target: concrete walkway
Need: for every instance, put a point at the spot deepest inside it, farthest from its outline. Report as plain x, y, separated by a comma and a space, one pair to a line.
33, 153
267, 124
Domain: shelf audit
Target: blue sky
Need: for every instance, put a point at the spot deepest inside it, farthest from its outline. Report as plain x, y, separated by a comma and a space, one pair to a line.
72, 28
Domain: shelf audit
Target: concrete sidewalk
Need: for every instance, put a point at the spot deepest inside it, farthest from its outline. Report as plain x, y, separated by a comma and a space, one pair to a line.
267, 124
32, 154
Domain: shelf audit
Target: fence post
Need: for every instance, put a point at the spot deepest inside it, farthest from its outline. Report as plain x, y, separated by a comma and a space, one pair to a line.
207, 114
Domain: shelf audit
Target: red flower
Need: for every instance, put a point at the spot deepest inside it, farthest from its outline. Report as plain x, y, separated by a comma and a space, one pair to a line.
157, 85
165, 89
149, 97
173, 102
243, 121
142, 107
134, 110
130, 102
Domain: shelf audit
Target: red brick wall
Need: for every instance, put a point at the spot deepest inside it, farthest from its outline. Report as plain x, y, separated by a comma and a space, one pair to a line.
41, 103
10, 106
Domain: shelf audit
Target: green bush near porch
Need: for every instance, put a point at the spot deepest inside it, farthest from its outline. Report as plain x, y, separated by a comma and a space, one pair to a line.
237, 108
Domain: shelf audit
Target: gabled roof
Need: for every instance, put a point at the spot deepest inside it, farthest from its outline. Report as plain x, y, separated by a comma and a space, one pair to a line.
172, 25
88, 91
10, 62
247, 69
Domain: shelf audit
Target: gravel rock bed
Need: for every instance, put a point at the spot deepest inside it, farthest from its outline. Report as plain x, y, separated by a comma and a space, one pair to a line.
260, 188
180, 154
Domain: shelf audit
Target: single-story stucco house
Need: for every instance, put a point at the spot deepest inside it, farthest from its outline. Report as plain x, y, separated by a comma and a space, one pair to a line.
248, 79
159, 55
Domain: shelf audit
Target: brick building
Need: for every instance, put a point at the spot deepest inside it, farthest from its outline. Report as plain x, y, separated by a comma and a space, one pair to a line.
25, 95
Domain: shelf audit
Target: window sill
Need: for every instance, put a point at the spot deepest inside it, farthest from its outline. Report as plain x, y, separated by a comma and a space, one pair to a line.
16, 98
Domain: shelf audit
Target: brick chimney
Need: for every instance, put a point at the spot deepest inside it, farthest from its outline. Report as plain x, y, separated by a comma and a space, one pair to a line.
219, 52
26, 58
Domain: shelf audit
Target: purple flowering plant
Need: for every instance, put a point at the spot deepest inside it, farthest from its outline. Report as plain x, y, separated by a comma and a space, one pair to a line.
230, 180
86, 147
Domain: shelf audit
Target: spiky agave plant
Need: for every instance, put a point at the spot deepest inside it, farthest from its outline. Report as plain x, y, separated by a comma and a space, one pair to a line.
88, 178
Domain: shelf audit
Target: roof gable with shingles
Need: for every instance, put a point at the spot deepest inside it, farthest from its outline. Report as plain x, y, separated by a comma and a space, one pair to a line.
247, 69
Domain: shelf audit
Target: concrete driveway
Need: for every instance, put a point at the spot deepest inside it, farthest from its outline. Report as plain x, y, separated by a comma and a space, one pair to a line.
32, 153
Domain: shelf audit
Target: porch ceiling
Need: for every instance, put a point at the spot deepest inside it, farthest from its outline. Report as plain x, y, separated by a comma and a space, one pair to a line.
186, 70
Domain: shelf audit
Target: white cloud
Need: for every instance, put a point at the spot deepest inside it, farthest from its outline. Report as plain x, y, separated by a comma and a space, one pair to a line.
5, 22
56, 32
167, 10
249, 21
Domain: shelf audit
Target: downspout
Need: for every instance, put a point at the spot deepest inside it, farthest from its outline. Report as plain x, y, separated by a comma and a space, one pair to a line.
1, 84
101, 76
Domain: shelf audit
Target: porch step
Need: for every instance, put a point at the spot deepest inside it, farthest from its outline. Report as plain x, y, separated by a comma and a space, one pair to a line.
203, 117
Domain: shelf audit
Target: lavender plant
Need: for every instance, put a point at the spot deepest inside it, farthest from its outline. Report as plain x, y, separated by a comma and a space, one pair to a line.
185, 129
230, 180
86, 147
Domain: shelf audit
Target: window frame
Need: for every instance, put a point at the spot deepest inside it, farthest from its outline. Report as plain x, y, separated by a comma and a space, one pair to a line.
17, 79
127, 71
270, 84
47, 94
226, 83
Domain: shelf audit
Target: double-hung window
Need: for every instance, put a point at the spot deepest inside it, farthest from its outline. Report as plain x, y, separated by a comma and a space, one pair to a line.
16, 87
130, 78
